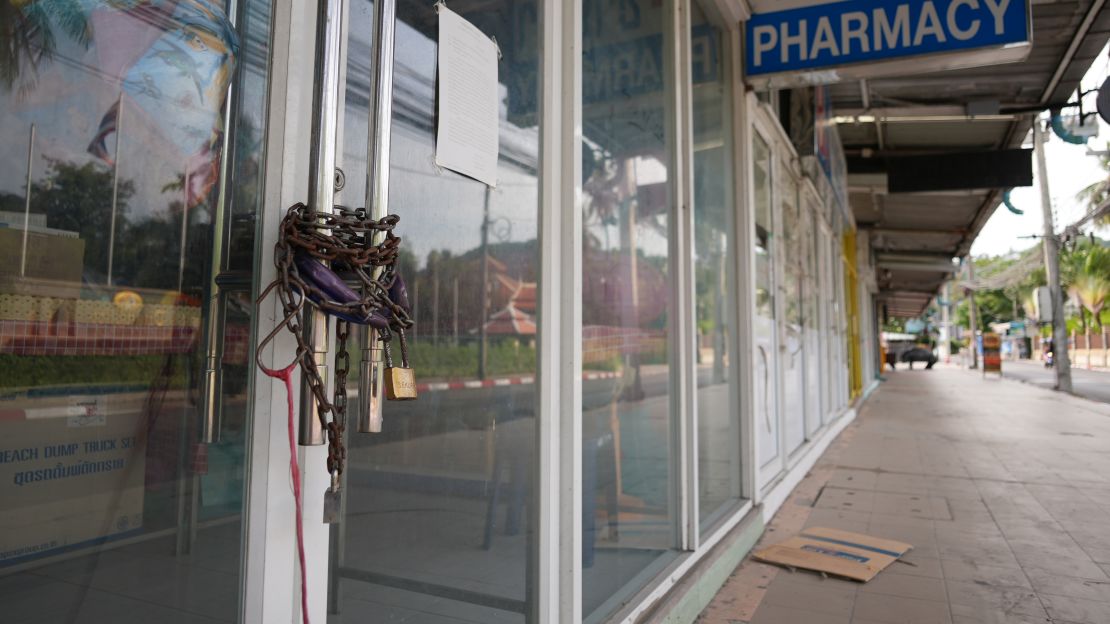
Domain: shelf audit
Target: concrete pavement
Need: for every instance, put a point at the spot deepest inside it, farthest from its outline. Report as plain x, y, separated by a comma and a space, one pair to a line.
1002, 487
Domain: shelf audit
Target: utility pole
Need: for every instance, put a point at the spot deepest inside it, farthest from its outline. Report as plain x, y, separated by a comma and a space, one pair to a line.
483, 338
115, 186
435, 302
972, 313
27, 202
455, 307
1062, 365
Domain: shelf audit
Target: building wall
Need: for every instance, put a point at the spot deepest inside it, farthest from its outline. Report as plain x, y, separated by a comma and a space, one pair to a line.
700, 328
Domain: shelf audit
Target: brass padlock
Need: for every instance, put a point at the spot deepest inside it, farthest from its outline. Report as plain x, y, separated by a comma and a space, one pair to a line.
400, 382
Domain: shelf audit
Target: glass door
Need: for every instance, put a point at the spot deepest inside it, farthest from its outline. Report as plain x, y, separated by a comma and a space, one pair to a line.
791, 307
811, 326
765, 358
438, 522
128, 198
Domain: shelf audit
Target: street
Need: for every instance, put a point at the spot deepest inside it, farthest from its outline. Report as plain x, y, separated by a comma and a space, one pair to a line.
1089, 384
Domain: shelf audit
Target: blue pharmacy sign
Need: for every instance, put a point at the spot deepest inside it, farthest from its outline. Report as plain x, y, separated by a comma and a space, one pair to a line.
837, 34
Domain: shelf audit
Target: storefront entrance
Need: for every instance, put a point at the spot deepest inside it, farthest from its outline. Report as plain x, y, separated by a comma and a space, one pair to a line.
438, 521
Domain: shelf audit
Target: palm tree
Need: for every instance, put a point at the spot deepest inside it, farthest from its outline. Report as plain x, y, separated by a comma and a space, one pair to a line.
1092, 292
27, 36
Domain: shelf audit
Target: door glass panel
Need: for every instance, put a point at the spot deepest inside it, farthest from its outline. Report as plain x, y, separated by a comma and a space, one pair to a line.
718, 422
627, 523
438, 524
126, 161
824, 287
766, 354
792, 347
833, 362
810, 319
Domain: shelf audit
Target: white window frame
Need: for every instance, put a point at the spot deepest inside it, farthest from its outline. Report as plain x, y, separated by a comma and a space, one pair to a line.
270, 580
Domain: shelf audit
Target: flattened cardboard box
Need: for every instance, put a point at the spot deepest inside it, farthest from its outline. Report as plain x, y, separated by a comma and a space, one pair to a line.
840, 553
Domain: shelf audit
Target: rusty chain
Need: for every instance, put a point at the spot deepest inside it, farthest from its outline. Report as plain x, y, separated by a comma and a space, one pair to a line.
360, 250
337, 453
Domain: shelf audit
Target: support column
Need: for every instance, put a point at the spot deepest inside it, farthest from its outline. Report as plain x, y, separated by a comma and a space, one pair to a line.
1052, 267
972, 314
945, 331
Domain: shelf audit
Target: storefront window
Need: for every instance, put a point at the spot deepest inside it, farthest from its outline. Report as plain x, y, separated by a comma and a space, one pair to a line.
439, 521
811, 327
628, 525
718, 421
792, 346
127, 192
766, 354
826, 363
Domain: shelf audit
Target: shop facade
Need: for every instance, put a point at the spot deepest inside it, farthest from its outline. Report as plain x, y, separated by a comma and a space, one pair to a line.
628, 351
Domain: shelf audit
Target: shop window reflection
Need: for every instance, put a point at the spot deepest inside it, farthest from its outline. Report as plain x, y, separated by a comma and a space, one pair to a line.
109, 208
791, 291
627, 519
718, 423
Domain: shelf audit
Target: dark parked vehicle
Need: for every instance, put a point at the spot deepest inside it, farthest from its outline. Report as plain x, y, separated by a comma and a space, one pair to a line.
918, 354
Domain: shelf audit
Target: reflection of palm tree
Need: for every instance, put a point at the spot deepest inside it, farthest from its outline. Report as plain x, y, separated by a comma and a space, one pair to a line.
27, 36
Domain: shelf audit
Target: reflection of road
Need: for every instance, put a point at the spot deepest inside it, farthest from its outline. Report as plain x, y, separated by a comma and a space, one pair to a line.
508, 401
1089, 384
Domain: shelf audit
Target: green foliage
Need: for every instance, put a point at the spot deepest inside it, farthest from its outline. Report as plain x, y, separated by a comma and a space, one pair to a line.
895, 324
1084, 274
506, 356
37, 371
78, 198
27, 37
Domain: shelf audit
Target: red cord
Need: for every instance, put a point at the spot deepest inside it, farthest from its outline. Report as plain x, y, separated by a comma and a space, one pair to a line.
286, 376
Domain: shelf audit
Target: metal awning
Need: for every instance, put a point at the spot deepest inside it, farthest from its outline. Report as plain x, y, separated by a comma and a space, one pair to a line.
916, 235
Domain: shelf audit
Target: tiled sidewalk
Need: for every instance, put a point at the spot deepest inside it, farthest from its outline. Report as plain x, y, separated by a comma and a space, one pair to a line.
1003, 489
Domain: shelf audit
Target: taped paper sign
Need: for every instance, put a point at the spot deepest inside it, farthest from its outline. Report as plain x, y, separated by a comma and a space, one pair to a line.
466, 140
840, 553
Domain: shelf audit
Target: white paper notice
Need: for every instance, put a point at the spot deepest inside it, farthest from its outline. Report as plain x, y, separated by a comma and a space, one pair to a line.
467, 137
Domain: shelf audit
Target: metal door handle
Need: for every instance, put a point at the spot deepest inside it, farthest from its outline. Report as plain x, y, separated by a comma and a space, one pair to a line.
377, 194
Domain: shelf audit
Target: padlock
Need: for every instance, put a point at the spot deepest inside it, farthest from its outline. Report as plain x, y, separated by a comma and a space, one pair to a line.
333, 501
400, 382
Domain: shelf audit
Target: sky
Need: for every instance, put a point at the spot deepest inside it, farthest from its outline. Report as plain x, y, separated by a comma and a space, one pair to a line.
1070, 169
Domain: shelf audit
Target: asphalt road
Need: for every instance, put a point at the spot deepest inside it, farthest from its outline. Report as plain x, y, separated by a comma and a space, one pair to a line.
1089, 384
451, 410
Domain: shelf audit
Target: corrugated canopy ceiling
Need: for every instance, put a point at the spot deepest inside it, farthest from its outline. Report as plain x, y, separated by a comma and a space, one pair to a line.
913, 233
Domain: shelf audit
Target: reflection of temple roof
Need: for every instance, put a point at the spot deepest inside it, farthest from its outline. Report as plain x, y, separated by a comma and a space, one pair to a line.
517, 299
525, 298
517, 293
496, 266
511, 322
